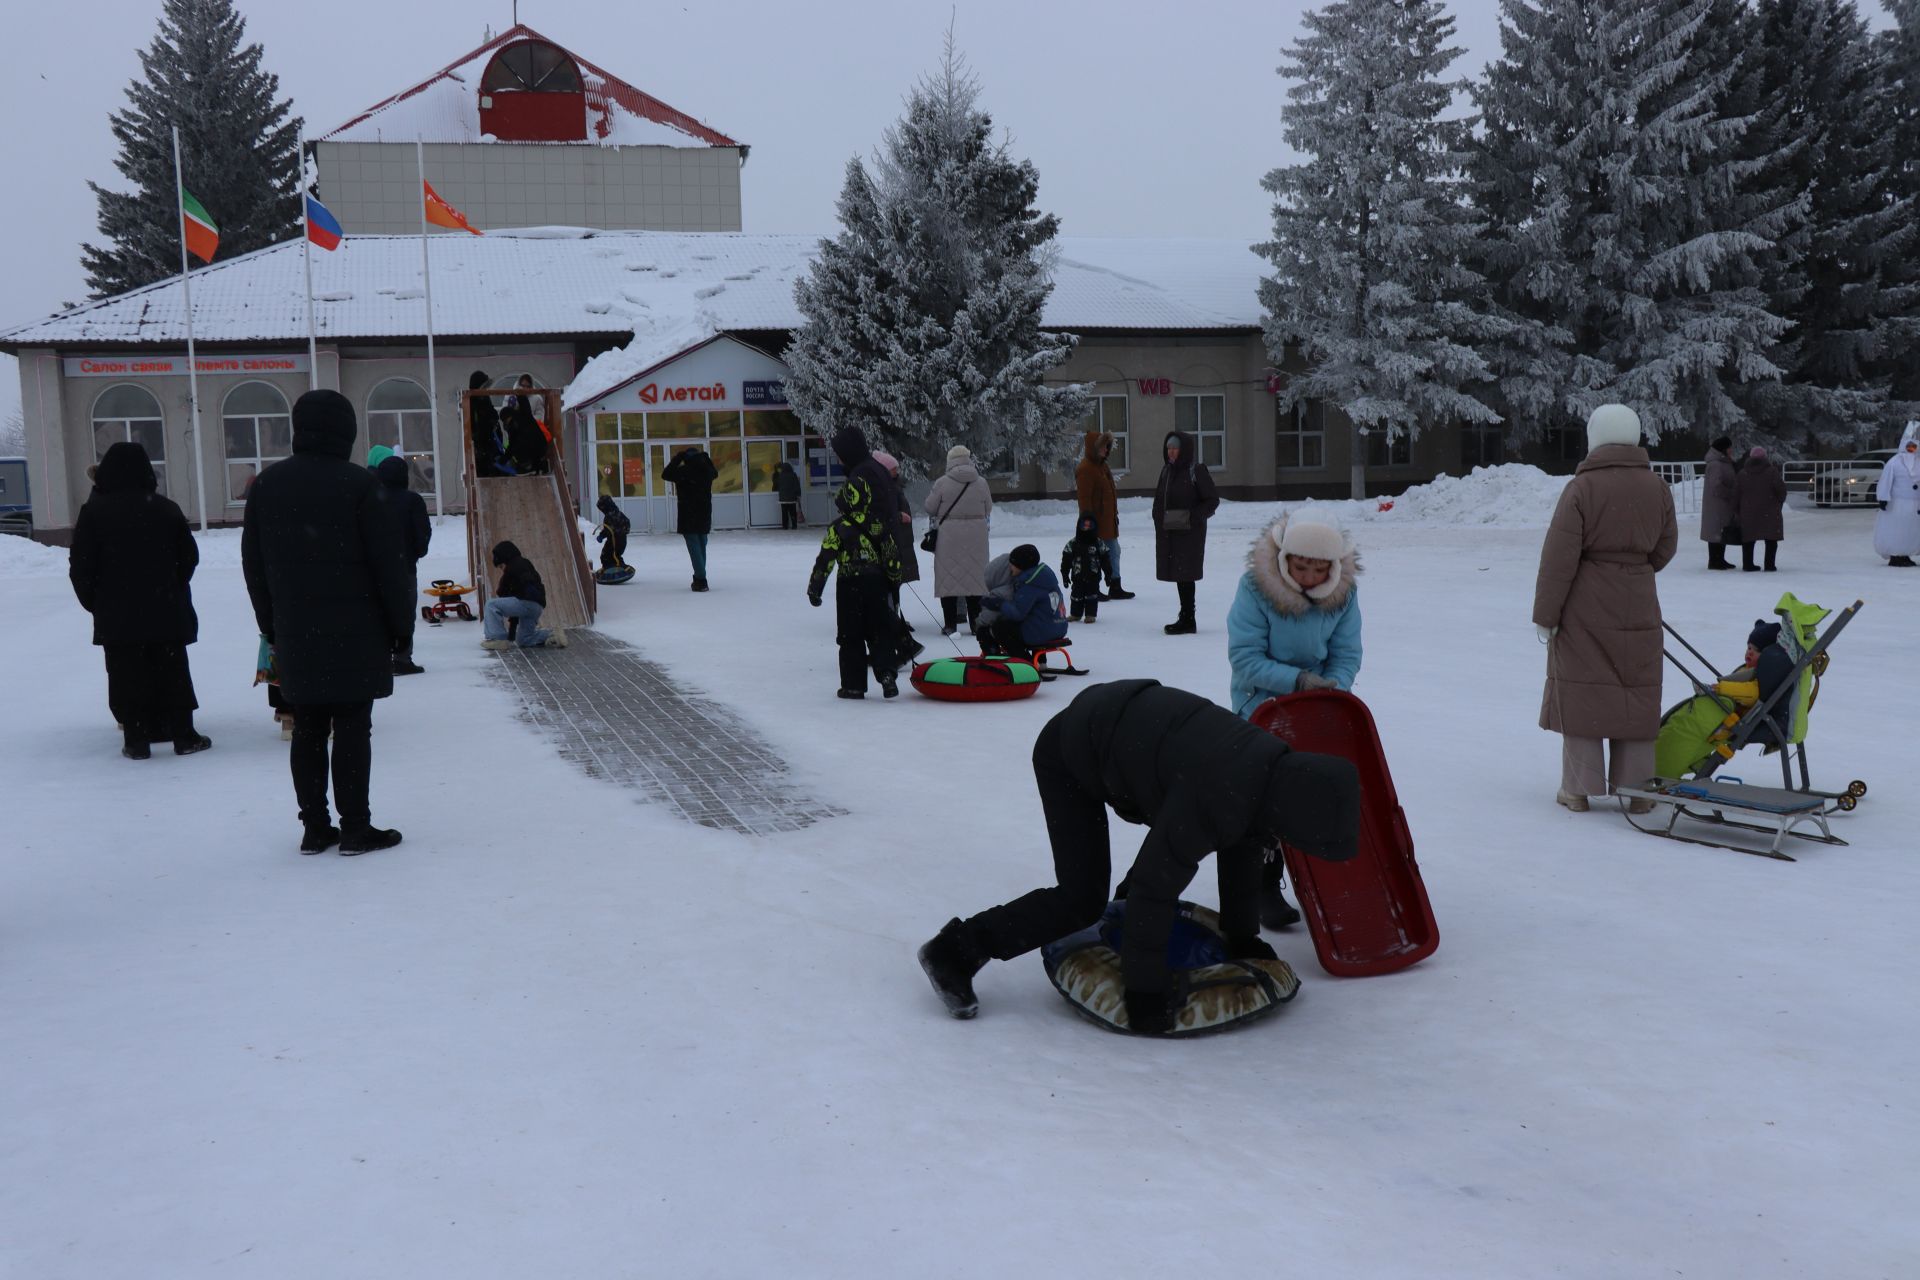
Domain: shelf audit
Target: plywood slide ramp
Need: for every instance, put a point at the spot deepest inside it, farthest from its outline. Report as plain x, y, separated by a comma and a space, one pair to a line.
535, 514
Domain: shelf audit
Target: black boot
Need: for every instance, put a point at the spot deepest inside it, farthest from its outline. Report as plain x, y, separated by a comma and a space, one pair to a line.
1746, 559
950, 960
1116, 592
1276, 912
889, 686
319, 837
1184, 625
133, 744
699, 584
1900, 562
368, 839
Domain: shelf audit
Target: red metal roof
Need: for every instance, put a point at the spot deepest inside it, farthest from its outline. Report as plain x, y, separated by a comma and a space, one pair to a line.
601, 87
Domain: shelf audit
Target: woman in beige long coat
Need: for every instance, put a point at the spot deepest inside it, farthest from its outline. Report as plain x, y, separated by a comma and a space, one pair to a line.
1598, 612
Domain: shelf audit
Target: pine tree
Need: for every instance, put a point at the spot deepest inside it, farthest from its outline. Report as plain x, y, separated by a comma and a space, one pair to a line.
237, 144
1370, 232
1899, 59
922, 316
1620, 238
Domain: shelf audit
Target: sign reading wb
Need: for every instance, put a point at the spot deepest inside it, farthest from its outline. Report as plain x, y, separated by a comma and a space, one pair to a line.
1154, 386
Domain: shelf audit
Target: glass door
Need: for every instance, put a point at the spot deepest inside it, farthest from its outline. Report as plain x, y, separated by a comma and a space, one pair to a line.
763, 501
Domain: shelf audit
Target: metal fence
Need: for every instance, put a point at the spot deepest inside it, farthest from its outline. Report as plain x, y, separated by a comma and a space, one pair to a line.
1687, 479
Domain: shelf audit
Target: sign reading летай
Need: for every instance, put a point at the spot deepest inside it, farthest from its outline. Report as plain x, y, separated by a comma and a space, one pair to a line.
176, 366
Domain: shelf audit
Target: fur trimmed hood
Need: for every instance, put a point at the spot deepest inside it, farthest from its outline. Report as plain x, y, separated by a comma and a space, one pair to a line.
1268, 568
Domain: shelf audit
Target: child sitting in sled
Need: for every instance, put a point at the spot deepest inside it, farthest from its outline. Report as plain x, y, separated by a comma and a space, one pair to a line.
1693, 733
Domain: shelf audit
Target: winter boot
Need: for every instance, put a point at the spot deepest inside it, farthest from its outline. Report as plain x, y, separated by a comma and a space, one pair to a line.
1573, 803
1184, 625
368, 839
191, 742
496, 645
1116, 592
699, 584
853, 694
1639, 804
406, 666
1276, 912
889, 685
556, 638
950, 960
134, 744
1900, 562
319, 837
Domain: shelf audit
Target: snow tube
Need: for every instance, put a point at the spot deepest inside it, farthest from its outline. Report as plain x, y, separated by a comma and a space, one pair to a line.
976, 679
1215, 992
615, 576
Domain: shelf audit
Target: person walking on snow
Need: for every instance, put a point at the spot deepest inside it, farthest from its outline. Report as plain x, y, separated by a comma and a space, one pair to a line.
1597, 609
520, 598
905, 647
1719, 501
1183, 502
1896, 530
330, 594
1094, 487
1202, 781
413, 532
1762, 496
859, 546
959, 504
692, 473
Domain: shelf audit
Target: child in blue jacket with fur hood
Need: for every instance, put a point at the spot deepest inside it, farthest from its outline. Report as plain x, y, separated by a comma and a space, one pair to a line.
1294, 626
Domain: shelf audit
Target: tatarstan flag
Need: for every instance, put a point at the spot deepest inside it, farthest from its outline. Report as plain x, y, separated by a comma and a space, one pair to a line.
442, 214
197, 228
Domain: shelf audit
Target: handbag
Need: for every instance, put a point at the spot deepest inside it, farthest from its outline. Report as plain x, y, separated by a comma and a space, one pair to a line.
1176, 520
930, 540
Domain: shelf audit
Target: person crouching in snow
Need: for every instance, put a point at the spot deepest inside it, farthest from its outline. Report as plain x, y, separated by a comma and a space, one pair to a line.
1031, 618
1294, 626
1083, 562
860, 545
1202, 781
521, 595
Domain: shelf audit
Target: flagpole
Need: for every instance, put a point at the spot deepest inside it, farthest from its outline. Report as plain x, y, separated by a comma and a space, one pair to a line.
426, 275
306, 257
193, 372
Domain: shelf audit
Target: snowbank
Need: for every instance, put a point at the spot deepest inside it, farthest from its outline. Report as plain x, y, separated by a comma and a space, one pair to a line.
25, 558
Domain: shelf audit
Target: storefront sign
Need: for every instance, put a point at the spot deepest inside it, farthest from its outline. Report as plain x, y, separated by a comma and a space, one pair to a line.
176, 366
754, 394
1155, 386
654, 393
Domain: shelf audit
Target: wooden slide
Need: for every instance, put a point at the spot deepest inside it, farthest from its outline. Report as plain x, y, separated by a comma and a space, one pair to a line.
536, 514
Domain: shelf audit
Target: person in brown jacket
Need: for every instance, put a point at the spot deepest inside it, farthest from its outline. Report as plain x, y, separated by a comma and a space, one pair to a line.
1762, 493
1100, 498
1597, 610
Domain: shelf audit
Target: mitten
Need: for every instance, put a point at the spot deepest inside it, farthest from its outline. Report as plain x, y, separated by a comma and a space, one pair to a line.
1149, 1013
1883, 506
1254, 948
1314, 680
1545, 633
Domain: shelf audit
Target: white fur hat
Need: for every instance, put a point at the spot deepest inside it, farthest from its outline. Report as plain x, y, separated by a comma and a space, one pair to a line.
958, 452
1612, 424
1310, 539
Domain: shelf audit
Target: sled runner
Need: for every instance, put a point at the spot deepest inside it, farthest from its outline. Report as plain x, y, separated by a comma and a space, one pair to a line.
1370, 914
447, 602
1057, 649
1729, 804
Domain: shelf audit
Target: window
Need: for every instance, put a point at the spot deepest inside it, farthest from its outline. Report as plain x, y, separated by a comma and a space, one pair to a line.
258, 433
1300, 436
1109, 414
1204, 418
1482, 445
1389, 448
131, 413
400, 417
1566, 444
531, 64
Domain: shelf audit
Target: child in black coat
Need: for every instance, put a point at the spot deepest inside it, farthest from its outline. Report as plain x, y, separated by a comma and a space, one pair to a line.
1082, 563
860, 547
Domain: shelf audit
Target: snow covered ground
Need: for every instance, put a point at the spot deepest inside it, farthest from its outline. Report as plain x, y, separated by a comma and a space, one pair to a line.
560, 1032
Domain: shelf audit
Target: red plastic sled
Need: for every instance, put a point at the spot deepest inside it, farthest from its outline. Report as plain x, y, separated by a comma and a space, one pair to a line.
1369, 915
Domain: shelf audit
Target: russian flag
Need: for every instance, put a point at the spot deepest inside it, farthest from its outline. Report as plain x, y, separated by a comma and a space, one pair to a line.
322, 227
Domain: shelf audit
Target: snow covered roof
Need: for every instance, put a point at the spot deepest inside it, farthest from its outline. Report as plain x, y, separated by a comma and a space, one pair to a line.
445, 107
566, 280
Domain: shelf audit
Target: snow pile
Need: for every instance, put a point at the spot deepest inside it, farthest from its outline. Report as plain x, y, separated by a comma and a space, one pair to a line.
654, 342
25, 558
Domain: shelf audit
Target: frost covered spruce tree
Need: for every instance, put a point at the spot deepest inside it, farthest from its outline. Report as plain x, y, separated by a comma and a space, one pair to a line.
237, 141
1605, 172
1899, 65
1370, 229
922, 317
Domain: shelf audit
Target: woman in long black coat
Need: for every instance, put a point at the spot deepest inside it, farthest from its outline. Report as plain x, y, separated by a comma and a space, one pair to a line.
1183, 502
131, 564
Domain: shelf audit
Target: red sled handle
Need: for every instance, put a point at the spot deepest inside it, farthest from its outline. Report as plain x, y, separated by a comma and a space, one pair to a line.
1369, 915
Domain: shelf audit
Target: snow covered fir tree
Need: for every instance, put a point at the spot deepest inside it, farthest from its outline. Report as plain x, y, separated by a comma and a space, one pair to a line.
237, 142
922, 316
1370, 231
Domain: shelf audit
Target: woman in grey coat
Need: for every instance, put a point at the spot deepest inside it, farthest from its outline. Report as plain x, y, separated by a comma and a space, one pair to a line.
1718, 502
960, 504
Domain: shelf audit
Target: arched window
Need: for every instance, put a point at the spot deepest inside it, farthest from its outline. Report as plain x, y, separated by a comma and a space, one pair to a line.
531, 65
258, 432
400, 417
127, 412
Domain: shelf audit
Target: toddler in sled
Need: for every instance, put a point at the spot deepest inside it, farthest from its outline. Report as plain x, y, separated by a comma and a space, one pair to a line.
1695, 733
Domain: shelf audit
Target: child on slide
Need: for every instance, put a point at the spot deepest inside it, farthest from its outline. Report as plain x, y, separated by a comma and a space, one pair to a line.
1294, 626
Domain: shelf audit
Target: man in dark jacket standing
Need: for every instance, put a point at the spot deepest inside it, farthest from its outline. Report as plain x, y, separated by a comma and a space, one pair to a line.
692, 473
330, 593
132, 559
1202, 781
786, 483
412, 533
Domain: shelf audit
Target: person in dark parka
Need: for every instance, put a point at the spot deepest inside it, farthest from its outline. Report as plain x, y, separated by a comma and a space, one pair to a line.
856, 459
1763, 494
692, 473
330, 593
408, 511
488, 443
1719, 501
1183, 502
131, 564
1202, 781
786, 483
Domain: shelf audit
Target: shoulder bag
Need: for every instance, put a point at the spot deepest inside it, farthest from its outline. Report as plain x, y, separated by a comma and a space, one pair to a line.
930, 540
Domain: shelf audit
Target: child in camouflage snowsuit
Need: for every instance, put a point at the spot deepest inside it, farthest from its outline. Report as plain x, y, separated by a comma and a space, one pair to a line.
861, 546
1082, 563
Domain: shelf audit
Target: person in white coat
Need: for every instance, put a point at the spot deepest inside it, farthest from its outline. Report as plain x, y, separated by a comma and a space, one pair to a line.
1896, 530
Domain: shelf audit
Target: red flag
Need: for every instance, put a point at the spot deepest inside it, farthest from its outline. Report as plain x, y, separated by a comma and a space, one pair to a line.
442, 214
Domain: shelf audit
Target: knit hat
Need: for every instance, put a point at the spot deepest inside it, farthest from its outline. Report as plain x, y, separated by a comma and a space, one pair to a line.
1764, 633
1024, 556
1756, 452
323, 422
1310, 539
1612, 424
887, 460
1724, 444
958, 453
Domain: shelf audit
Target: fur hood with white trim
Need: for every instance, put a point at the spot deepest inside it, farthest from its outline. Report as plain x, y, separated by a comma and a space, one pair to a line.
1268, 568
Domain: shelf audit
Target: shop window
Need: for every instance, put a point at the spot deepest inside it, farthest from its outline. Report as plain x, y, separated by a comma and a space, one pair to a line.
1109, 414
400, 417
1389, 449
1482, 445
131, 413
1204, 418
1300, 435
677, 426
255, 425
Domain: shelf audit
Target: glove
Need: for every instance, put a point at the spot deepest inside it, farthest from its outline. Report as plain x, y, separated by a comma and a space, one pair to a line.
1149, 1013
1545, 633
1883, 506
1314, 680
1254, 948
813, 598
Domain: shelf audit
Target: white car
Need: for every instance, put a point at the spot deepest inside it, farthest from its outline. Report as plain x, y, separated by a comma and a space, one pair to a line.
1851, 485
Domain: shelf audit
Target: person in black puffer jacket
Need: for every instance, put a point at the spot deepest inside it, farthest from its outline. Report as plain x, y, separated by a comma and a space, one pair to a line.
692, 473
330, 593
413, 533
1202, 781
520, 599
131, 564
